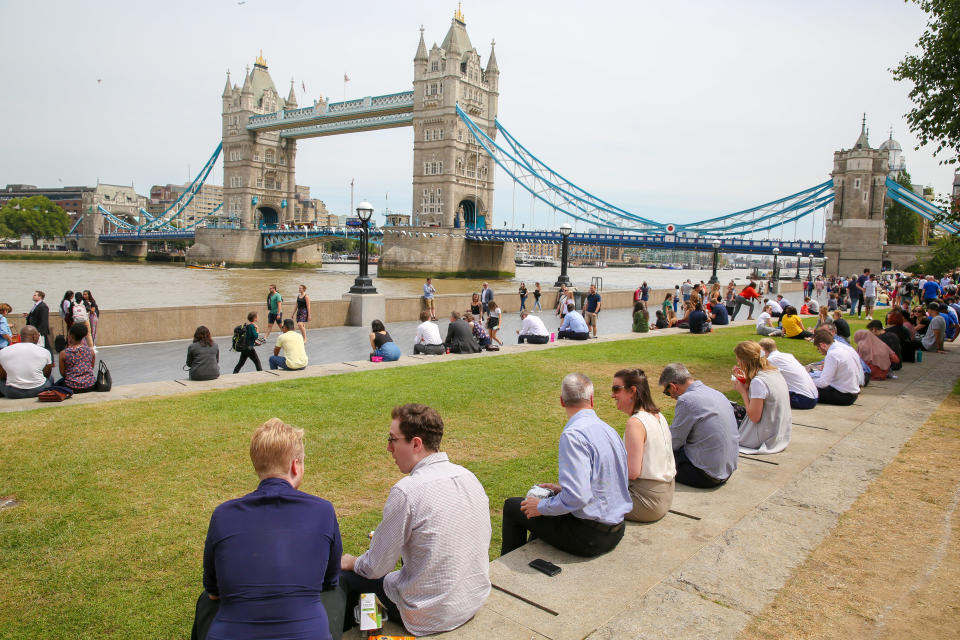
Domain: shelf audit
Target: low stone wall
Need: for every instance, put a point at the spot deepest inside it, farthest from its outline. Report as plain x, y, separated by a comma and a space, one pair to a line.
129, 326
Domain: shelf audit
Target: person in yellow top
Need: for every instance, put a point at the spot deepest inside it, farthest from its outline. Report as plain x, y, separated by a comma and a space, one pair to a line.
793, 325
290, 342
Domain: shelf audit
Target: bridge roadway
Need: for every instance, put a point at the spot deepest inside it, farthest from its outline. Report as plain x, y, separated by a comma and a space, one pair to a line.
292, 238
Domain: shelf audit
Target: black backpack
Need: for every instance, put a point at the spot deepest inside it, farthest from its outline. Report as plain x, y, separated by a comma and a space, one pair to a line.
239, 342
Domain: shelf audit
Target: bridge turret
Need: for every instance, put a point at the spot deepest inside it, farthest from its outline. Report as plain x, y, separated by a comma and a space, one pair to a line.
227, 89
246, 93
291, 98
421, 55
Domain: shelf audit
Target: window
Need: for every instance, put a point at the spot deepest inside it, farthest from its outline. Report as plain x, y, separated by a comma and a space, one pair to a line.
259, 183
236, 181
864, 196
435, 65
856, 183
269, 155
439, 134
256, 156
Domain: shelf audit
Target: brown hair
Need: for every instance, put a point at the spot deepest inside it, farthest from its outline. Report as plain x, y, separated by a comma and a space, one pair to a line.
636, 380
822, 336
274, 446
424, 315
752, 358
202, 334
420, 421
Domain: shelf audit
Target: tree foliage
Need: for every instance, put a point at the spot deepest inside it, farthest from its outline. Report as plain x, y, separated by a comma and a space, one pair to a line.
935, 74
944, 257
37, 216
903, 225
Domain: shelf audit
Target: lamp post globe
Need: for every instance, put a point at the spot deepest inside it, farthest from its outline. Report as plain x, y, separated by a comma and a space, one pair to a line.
716, 251
362, 283
776, 275
564, 279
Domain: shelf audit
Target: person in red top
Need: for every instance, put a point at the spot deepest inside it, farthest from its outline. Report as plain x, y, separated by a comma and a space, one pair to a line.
746, 298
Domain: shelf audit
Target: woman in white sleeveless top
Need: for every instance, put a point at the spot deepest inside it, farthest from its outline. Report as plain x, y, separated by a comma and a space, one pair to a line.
650, 464
766, 427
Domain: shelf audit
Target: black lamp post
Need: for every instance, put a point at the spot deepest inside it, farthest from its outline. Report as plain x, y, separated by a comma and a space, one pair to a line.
564, 279
362, 283
776, 274
716, 250
799, 255
810, 268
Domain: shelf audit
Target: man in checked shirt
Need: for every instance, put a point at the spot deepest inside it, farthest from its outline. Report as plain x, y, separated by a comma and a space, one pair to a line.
437, 519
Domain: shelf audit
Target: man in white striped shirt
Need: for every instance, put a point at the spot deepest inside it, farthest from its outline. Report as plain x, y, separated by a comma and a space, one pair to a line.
437, 520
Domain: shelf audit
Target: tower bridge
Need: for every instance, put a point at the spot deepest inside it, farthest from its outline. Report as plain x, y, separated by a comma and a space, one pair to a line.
458, 145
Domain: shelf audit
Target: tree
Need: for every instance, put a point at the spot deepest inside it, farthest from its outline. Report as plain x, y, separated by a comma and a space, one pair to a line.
903, 225
935, 74
37, 216
945, 256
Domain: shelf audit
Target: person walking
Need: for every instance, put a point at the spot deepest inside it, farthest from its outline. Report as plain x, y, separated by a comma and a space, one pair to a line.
274, 310
93, 315
523, 296
536, 298
493, 322
303, 311
66, 310
81, 314
486, 297
247, 346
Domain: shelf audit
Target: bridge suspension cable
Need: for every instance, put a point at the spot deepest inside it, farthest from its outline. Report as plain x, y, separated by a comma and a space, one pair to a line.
562, 195
920, 206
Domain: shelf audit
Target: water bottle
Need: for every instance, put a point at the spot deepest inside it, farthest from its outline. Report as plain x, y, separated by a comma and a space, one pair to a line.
919, 355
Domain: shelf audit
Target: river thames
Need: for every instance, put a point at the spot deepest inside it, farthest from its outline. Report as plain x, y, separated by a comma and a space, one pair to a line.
145, 285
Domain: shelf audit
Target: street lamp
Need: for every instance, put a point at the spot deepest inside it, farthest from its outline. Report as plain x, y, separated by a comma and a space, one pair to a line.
799, 255
564, 279
810, 269
716, 249
363, 283
776, 276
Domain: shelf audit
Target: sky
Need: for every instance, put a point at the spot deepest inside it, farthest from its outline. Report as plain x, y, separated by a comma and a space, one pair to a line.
677, 111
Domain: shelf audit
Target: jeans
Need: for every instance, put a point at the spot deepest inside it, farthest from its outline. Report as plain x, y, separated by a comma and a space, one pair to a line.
800, 401
389, 351
532, 339
523, 302
16, 392
280, 362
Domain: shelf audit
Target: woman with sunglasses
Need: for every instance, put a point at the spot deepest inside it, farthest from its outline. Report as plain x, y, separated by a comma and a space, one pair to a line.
650, 463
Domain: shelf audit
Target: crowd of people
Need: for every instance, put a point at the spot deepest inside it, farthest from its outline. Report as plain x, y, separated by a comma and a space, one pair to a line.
28, 355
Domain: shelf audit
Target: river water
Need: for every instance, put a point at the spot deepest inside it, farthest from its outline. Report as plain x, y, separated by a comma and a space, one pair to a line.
139, 285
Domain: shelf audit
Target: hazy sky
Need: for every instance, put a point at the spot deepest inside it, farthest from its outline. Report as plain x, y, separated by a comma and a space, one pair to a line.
675, 110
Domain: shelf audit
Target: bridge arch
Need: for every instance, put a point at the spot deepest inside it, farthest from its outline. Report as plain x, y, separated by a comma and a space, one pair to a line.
471, 213
268, 215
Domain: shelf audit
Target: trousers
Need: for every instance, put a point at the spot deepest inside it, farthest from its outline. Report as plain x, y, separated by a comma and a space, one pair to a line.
829, 395
800, 401
207, 609
351, 586
579, 537
532, 338
740, 301
691, 475
252, 355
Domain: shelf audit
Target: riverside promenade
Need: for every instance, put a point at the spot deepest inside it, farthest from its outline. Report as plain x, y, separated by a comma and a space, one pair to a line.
713, 564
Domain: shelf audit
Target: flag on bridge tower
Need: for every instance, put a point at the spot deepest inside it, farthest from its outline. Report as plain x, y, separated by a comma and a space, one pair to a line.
346, 78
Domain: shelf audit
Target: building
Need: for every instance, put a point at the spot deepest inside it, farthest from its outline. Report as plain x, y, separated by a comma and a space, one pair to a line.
123, 203
70, 199
452, 175
203, 203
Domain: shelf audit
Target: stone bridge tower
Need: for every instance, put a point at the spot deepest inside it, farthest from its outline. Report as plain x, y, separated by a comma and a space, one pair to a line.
259, 185
856, 232
452, 175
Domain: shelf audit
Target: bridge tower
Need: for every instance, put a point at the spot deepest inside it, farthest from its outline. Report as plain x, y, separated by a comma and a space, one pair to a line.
259, 185
856, 231
452, 175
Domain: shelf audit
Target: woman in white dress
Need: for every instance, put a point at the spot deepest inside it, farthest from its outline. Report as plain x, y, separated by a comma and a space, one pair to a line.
650, 465
766, 427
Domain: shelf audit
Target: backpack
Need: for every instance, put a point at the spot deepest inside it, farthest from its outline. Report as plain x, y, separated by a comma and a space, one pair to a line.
239, 342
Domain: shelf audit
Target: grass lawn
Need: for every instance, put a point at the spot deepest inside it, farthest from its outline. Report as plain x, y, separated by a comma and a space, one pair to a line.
116, 497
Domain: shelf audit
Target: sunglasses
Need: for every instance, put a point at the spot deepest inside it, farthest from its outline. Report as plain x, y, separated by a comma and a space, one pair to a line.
617, 387
666, 391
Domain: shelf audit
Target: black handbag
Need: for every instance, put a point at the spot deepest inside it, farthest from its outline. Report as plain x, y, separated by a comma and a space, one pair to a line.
104, 380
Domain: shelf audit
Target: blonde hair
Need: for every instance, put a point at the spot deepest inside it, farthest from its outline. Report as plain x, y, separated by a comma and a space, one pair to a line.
752, 358
274, 446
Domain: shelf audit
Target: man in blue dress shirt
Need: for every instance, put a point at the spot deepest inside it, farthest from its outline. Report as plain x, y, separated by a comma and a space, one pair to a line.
574, 327
271, 560
584, 516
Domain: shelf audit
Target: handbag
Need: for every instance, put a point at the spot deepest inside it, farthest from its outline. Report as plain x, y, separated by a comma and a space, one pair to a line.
55, 394
104, 380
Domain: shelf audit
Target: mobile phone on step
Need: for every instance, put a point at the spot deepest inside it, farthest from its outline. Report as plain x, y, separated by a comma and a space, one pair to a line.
545, 567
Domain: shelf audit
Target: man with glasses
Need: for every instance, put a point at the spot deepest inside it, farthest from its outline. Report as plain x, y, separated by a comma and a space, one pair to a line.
706, 441
437, 520
584, 513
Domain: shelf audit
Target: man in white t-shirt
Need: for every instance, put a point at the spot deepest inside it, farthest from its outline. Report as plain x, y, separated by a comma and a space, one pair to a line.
25, 366
870, 295
765, 323
775, 309
428, 340
532, 330
803, 393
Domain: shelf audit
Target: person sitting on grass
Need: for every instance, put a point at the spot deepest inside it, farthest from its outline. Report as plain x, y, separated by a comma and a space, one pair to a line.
698, 321
842, 326
381, 344
583, 515
532, 329
650, 464
704, 430
76, 362
25, 366
641, 318
428, 339
203, 356
765, 326
271, 560
896, 329
766, 426
803, 393
718, 314
290, 343
793, 325
842, 376
437, 520
876, 353
574, 327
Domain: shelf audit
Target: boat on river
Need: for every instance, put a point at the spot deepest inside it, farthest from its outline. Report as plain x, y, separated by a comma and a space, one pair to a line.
212, 266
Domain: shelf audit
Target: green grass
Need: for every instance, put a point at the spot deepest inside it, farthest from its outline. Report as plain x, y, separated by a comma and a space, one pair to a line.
116, 497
